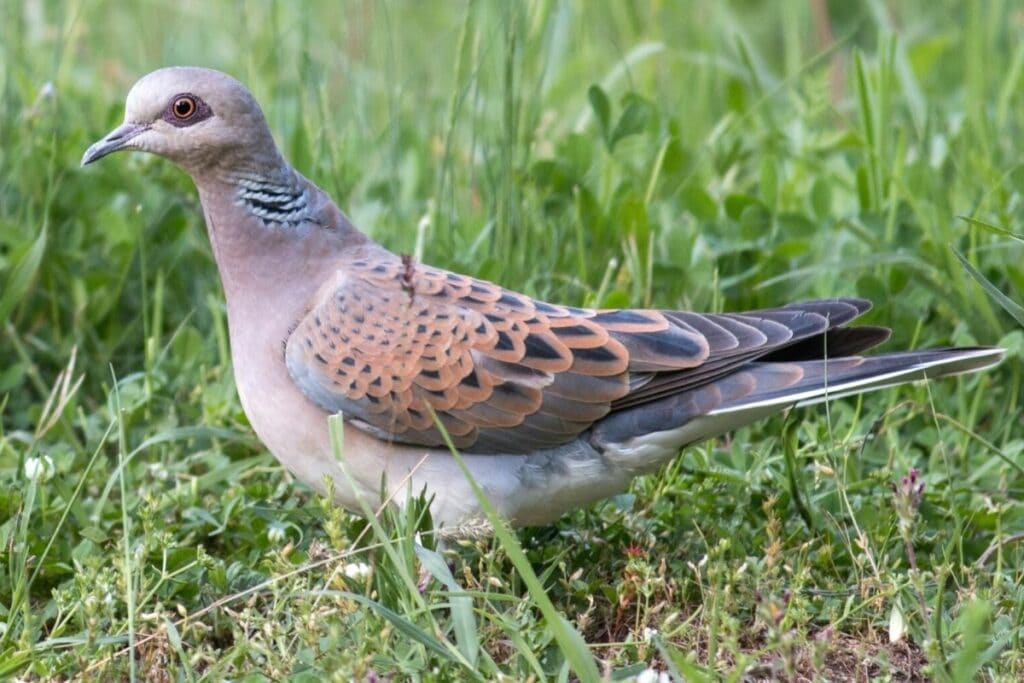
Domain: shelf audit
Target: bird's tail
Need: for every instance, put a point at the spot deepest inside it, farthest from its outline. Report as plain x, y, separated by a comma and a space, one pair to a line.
656, 430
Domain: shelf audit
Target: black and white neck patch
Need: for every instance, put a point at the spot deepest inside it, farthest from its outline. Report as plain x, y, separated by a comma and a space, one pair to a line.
273, 202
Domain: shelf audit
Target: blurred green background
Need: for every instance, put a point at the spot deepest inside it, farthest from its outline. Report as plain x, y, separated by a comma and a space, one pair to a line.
706, 155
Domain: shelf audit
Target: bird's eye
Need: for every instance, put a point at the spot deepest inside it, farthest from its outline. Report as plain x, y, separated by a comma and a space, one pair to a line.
183, 107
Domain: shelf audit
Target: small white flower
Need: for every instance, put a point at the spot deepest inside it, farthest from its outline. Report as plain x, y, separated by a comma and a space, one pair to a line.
647, 676
653, 676
158, 471
649, 634
39, 469
276, 532
357, 570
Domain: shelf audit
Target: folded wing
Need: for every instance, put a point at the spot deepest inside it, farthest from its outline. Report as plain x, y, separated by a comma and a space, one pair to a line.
391, 344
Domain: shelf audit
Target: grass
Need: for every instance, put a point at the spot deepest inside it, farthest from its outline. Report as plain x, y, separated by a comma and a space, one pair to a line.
715, 156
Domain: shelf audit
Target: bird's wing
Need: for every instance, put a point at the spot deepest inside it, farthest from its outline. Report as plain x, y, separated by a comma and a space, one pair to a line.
388, 343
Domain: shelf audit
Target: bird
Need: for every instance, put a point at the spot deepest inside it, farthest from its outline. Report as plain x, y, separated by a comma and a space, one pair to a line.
551, 407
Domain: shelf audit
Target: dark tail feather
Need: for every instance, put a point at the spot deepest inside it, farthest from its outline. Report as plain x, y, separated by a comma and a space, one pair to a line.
761, 388
823, 380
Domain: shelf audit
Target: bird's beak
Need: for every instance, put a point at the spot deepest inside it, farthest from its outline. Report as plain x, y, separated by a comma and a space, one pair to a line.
115, 140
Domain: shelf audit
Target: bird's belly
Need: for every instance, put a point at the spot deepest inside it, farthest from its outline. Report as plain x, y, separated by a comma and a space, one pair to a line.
294, 430
528, 489
297, 433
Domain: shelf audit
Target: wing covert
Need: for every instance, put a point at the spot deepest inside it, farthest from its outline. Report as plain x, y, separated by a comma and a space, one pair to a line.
387, 341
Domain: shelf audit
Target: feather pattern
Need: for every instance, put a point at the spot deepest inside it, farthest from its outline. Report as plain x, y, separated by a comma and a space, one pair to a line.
272, 202
391, 344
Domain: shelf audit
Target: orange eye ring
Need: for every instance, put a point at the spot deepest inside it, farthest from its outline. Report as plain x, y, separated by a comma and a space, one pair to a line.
183, 108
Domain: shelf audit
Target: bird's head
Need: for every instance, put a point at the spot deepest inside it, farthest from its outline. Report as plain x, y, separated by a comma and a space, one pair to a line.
198, 118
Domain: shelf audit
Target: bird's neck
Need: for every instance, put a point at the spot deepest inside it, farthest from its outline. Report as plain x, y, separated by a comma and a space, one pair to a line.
273, 194
271, 204
276, 238
281, 199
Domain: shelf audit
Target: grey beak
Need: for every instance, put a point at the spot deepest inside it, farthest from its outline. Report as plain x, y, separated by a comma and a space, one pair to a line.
115, 140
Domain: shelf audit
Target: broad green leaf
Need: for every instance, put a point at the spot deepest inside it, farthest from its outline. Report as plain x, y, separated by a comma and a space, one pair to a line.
637, 112
602, 108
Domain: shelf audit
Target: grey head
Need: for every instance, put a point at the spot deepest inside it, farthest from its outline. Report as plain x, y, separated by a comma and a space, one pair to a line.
201, 119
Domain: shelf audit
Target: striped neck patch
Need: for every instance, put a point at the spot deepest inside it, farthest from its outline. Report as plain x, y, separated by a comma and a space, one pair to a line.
272, 202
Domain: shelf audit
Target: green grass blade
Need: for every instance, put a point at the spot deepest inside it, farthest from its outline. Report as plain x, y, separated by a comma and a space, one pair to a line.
571, 643
406, 627
463, 620
1008, 304
994, 229
17, 285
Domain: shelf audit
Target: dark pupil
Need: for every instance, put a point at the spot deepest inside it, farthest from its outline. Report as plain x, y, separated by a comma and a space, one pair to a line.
183, 107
